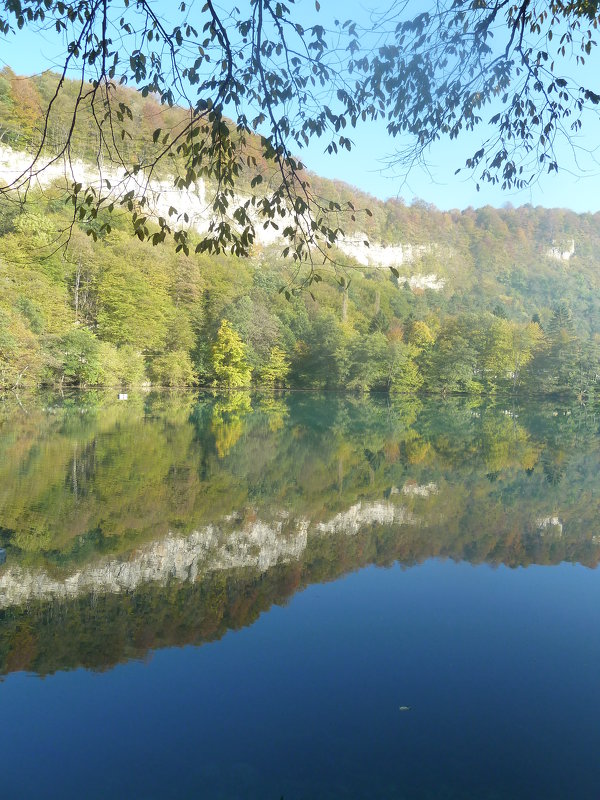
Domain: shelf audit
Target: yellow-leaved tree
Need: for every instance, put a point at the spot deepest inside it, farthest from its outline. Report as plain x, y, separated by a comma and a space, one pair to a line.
230, 367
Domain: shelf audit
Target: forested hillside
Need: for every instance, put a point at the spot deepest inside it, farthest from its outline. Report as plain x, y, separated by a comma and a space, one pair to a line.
474, 301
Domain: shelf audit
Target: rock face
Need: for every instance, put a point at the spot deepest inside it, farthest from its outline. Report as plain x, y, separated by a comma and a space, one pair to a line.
196, 203
381, 255
562, 251
429, 281
257, 545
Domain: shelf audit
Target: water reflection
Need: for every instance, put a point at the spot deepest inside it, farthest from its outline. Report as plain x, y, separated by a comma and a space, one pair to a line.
170, 519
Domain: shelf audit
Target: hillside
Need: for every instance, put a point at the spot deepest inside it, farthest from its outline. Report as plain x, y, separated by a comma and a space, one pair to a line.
477, 300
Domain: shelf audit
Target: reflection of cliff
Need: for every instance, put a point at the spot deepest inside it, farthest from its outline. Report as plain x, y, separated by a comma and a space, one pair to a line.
193, 590
257, 546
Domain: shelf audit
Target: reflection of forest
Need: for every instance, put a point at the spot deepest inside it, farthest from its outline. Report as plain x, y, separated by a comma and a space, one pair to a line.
170, 519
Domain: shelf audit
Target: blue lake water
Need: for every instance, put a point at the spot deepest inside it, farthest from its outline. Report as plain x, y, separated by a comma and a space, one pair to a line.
258, 678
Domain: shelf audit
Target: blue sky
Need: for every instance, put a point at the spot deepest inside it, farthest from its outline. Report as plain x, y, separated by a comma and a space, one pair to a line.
364, 166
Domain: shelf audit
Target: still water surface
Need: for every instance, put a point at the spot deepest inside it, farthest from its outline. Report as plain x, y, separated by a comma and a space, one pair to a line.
233, 597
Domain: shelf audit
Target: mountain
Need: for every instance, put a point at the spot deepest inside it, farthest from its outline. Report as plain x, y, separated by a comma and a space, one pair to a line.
512, 294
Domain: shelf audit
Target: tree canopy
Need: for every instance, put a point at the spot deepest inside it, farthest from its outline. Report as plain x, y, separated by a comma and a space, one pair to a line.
256, 83
485, 307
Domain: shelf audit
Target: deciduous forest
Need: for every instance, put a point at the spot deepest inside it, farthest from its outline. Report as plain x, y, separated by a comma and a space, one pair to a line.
481, 300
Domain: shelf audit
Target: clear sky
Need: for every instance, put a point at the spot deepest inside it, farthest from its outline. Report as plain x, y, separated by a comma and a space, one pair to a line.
364, 166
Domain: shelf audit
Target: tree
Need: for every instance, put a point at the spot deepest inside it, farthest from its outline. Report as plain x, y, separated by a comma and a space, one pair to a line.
569, 365
420, 335
26, 107
318, 354
229, 363
220, 77
174, 368
276, 370
365, 357
19, 351
403, 371
452, 363
257, 326
132, 309
80, 356
525, 341
495, 350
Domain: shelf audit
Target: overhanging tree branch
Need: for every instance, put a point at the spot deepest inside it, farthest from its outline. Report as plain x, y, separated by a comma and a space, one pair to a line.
219, 78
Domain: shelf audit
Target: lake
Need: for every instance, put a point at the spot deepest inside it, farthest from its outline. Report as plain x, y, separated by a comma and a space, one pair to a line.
300, 596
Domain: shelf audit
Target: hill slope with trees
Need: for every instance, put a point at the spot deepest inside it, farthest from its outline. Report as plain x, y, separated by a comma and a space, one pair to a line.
479, 300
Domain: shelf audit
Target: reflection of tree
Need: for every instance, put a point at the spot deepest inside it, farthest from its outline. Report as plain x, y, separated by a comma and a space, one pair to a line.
276, 410
228, 420
417, 450
77, 480
404, 410
553, 466
504, 444
116, 627
32, 539
478, 478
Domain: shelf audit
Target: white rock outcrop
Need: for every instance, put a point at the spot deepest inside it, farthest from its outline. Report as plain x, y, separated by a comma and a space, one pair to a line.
380, 255
562, 251
196, 203
429, 281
